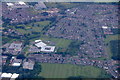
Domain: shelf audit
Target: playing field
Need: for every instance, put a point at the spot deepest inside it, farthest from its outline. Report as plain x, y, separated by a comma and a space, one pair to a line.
68, 70
107, 40
63, 43
111, 37
32, 27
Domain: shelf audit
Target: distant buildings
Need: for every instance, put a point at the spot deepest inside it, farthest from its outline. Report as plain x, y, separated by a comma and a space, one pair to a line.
15, 48
40, 44
48, 49
28, 64
19, 4
15, 62
9, 76
107, 30
43, 46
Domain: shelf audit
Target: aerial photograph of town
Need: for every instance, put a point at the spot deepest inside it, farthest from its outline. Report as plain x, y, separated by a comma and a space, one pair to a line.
59, 40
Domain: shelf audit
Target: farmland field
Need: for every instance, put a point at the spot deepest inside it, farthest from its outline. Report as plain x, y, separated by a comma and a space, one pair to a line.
68, 70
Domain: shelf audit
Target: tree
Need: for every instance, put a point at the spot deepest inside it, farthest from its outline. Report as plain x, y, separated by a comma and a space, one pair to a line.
21, 56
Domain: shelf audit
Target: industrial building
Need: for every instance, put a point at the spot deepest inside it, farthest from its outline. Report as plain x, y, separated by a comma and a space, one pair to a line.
9, 76
28, 64
44, 47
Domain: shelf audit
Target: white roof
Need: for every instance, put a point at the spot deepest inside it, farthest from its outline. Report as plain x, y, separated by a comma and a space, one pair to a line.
10, 4
13, 57
6, 75
40, 44
22, 3
16, 64
15, 75
105, 27
38, 40
51, 49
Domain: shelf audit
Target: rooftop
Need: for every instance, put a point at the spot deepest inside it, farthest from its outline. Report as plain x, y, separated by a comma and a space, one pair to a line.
40, 44
48, 48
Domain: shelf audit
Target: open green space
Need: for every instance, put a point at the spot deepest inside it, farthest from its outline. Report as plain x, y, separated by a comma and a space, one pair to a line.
32, 27
111, 37
114, 46
68, 70
59, 42
107, 41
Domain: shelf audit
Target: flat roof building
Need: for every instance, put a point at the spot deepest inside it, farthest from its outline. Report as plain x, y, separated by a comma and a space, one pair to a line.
48, 49
15, 62
6, 75
28, 64
14, 76
10, 4
40, 44
17, 46
9, 76
38, 40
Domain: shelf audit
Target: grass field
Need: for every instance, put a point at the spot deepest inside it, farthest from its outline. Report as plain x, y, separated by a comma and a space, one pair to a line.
112, 37
59, 42
108, 39
63, 43
68, 70
33, 27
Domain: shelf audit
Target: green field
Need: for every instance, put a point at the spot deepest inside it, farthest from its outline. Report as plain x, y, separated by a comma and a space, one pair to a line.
111, 37
108, 39
63, 43
33, 27
68, 70
59, 42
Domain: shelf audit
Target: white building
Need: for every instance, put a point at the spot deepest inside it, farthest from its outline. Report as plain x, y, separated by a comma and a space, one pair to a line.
9, 76
10, 4
14, 76
16, 64
21, 3
44, 47
6, 75
38, 40
48, 49
40, 44
104, 27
